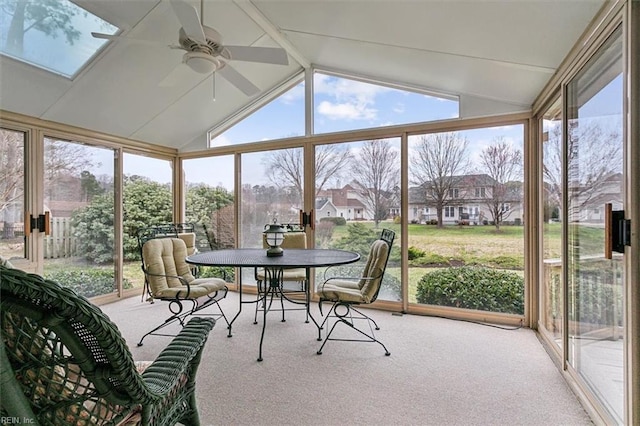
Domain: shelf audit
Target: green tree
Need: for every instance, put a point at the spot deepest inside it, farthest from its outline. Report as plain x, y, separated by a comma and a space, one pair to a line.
89, 185
51, 17
93, 229
203, 200
145, 203
359, 238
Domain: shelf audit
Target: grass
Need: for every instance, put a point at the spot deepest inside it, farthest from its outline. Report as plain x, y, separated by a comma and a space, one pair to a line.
443, 247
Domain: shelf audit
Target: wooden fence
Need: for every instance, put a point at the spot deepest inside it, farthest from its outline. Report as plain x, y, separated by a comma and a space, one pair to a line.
61, 243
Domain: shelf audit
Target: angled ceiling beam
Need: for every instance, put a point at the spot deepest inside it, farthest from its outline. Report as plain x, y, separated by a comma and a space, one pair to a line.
258, 17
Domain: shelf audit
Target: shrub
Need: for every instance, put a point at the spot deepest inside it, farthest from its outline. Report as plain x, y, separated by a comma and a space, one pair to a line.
338, 221
478, 288
227, 273
429, 259
506, 262
415, 252
87, 282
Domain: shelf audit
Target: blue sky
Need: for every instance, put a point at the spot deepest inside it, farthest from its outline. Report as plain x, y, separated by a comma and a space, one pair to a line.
339, 104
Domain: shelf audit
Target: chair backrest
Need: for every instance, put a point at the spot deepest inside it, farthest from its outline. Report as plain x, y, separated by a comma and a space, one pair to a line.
189, 239
163, 260
376, 265
292, 240
68, 360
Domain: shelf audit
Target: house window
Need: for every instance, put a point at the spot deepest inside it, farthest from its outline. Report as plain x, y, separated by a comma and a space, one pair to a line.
453, 193
480, 192
449, 211
505, 207
328, 213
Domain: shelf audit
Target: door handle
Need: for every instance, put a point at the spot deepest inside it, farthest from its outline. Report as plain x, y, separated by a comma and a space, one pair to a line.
42, 223
617, 231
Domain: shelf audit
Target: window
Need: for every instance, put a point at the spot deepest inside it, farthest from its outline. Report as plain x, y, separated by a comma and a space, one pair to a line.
346, 104
283, 117
449, 211
480, 192
505, 207
56, 36
453, 193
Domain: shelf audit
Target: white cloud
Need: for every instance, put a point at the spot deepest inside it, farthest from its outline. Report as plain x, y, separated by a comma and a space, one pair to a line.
344, 99
399, 108
346, 111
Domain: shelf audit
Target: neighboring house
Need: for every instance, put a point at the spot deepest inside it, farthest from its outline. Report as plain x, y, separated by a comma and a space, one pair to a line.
467, 201
343, 202
590, 200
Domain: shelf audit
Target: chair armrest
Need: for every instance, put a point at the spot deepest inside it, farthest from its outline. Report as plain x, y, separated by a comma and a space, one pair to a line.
178, 277
180, 357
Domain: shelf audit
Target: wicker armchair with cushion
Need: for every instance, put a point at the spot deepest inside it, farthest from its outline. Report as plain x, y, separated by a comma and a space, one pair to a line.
63, 362
345, 293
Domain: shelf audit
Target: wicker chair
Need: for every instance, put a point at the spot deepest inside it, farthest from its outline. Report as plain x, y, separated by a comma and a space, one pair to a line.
345, 293
63, 362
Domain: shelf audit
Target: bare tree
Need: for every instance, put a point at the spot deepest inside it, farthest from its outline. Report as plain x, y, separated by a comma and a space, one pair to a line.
503, 163
595, 155
63, 160
552, 171
440, 161
11, 178
285, 167
376, 172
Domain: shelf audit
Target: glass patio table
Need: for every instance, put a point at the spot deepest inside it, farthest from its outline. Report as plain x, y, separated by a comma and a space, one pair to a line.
273, 268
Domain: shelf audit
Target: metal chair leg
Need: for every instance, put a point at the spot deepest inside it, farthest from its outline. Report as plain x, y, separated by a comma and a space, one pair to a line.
348, 319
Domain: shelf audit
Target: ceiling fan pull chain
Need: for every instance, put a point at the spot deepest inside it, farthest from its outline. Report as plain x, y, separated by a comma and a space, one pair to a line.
213, 79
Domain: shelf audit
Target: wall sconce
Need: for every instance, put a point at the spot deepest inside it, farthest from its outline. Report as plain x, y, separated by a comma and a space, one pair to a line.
274, 236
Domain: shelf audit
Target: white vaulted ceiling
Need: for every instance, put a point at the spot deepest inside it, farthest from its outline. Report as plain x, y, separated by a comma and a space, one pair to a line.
495, 55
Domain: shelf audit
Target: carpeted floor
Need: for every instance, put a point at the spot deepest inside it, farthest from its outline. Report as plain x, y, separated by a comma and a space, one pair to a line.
440, 372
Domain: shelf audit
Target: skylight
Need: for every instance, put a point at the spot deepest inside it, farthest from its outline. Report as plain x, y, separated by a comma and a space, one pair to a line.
54, 35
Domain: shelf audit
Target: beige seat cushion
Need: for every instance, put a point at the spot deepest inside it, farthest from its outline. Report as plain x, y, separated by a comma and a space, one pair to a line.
166, 256
365, 289
347, 291
296, 274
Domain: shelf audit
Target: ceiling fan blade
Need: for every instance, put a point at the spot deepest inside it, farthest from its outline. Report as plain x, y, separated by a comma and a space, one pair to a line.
188, 17
134, 40
106, 36
238, 80
267, 55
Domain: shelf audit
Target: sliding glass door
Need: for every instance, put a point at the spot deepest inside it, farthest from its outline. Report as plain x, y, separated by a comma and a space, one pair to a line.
12, 194
596, 179
79, 197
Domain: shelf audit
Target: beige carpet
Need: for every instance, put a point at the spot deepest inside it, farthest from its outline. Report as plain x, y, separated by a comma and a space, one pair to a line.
440, 372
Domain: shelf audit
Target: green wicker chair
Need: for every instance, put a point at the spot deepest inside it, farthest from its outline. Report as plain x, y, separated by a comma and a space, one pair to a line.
63, 362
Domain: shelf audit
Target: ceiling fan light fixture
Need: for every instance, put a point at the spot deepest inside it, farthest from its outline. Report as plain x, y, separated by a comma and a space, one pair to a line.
201, 63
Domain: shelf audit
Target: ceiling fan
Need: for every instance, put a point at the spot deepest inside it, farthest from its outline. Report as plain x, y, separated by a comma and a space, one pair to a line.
205, 52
